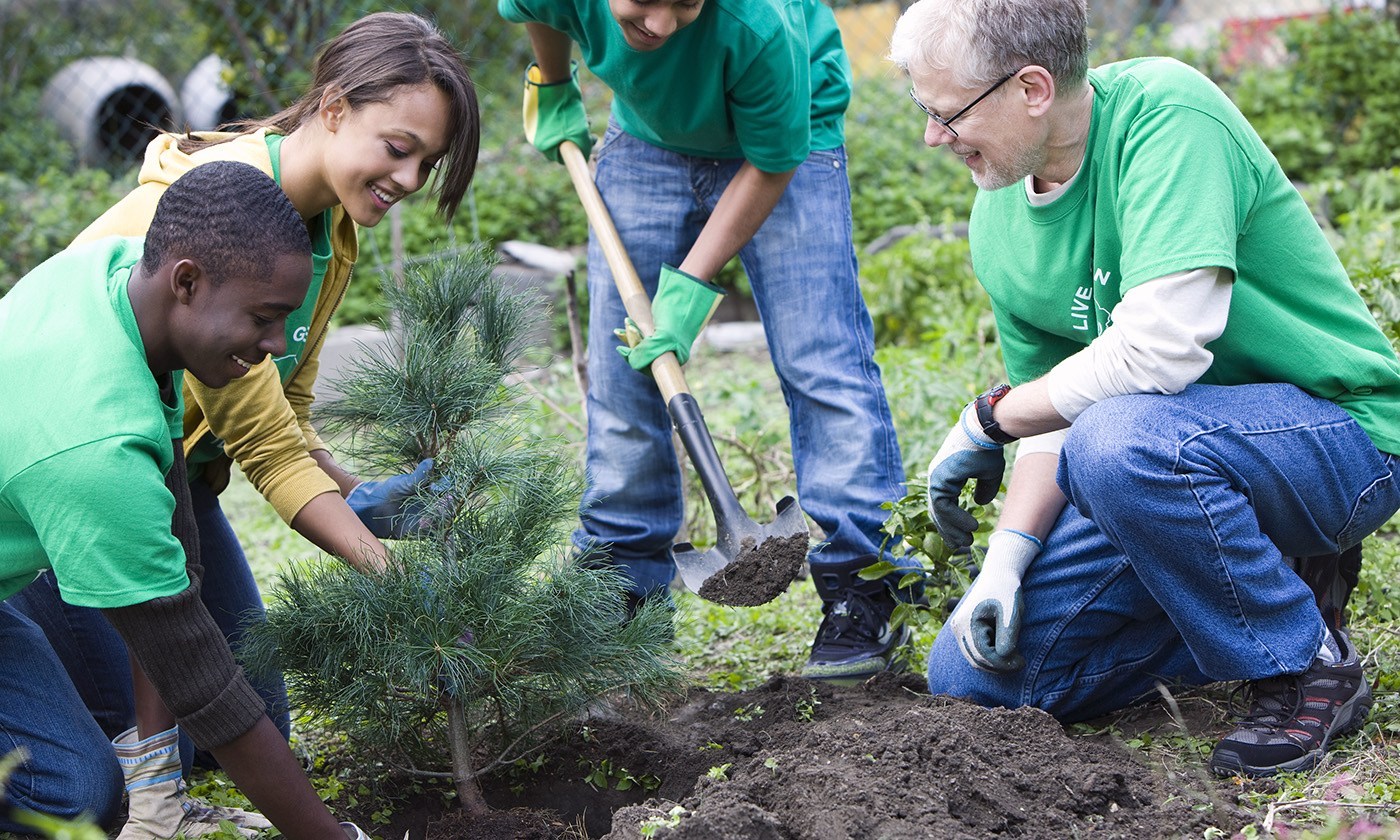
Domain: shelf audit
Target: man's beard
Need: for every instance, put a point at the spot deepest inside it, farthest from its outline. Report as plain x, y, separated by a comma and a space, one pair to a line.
1020, 162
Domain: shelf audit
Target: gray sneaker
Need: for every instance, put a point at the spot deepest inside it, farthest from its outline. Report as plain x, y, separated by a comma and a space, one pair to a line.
1294, 718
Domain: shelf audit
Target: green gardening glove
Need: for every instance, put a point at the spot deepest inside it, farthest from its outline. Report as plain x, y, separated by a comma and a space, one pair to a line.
682, 306
553, 113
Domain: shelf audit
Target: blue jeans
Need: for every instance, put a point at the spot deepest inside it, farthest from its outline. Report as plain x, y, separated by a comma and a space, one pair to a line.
802, 268
1168, 563
95, 657
71, 768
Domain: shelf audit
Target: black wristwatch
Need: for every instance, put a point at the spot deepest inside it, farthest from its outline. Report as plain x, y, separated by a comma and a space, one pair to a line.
985, 402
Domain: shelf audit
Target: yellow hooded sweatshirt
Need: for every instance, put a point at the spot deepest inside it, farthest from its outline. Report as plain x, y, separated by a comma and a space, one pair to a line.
265, 425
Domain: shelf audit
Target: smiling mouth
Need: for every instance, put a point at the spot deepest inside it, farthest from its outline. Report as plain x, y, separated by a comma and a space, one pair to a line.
645, 35
384, 198
246, 365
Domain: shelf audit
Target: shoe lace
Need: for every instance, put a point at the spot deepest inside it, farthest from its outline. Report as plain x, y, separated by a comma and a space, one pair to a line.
853, 621
1269, 703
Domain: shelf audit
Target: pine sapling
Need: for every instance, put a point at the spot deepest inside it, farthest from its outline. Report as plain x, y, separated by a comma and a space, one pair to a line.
482, 634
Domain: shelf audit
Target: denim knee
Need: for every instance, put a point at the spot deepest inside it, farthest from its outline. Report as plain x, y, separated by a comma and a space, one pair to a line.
950, 674
90, 790
1106, 437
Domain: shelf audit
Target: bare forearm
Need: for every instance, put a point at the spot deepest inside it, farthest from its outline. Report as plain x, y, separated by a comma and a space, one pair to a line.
1026, 410
552, 49
1033, 499
152, 717
741, 211
329, 523
262, 766
343, 478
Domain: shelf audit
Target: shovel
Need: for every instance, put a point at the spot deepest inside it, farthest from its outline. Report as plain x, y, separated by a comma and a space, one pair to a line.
750, 564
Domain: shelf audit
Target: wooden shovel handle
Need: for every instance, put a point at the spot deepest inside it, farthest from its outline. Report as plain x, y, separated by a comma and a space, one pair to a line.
666, 369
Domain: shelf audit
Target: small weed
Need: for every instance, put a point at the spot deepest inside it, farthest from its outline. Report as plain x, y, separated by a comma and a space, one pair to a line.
651, 825
772, 765
712, 746
605, 775
719, 773
749, 712
807, 708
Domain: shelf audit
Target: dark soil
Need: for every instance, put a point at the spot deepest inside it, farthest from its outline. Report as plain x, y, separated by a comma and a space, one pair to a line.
760, 573
794, 760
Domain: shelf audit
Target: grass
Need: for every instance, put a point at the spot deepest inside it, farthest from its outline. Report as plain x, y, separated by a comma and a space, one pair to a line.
1355, 795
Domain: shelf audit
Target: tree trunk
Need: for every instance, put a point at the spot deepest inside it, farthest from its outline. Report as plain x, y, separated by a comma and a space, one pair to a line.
463, 772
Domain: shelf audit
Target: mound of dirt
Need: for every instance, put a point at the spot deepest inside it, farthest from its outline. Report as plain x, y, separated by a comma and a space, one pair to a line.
796, 760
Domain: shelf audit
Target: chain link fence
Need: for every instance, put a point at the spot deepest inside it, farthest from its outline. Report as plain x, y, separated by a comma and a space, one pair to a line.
84, 84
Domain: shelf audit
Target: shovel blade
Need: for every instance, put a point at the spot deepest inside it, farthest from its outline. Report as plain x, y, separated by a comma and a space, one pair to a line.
750, 564
697, 566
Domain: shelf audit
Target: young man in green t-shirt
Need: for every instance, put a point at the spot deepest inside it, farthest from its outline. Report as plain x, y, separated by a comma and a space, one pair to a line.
1201, 392
91, 485
726, 137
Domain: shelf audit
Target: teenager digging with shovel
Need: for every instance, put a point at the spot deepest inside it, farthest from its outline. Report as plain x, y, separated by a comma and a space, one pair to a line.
744, 158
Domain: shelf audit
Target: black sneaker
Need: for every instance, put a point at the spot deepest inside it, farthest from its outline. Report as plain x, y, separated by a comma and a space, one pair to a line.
1293, 719
855, 640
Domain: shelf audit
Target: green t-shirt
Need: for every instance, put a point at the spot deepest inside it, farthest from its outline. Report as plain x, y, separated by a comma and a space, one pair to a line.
84, 437
1175, 179
211, 447
763, 80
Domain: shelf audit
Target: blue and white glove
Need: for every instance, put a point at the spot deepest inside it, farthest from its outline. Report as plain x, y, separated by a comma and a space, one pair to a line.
386, 507
966, 454
987, 621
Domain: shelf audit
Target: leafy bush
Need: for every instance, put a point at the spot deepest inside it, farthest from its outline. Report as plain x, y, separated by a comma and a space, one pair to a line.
1323, 112
921, 291
1366, 241
39, 218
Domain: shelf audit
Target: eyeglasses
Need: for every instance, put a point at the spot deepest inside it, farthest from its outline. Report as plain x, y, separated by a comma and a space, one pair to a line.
948, 123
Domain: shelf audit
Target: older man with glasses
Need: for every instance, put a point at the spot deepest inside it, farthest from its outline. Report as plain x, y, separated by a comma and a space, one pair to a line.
1199, 391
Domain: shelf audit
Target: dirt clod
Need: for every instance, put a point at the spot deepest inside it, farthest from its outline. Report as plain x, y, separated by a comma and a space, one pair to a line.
760, 573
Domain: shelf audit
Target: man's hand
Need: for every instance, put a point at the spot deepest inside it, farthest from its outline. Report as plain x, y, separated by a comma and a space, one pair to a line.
553, 112
966, 454
987, 622
386, 506
680, 311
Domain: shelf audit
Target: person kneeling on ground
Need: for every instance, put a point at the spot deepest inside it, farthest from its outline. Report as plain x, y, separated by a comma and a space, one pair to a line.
92, 491
1202, 391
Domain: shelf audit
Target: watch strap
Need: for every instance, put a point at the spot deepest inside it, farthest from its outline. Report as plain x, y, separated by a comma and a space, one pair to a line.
984, 405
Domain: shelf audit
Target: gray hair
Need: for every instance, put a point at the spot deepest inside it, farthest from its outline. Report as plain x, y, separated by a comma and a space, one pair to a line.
979, 41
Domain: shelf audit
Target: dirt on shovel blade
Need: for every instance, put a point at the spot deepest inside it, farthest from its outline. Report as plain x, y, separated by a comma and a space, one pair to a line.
760, 573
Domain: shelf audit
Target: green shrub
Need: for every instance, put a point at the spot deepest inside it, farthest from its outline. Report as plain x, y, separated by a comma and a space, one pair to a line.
39, 218
1328, 111
1367, 245
922, 291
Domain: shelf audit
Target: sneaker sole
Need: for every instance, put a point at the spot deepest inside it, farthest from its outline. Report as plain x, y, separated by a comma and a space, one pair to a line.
848, 675
860, 670
1227, 762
